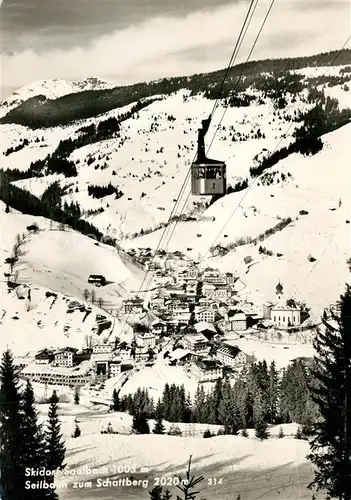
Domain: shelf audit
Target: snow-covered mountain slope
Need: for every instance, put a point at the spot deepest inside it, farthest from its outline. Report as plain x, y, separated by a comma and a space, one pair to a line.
319, 187
53, 269
51, 89
148, 160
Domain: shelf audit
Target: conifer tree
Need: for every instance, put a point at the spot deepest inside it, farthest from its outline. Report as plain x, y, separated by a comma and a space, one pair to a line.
217, 395
33, 445
116, 402
55, 448
188, 414
261, 431
77, 432
273, 392
140, 423
11, 421
54, 397
244, 433
331, 442
76, 396
200, 409
159, 427
228, 412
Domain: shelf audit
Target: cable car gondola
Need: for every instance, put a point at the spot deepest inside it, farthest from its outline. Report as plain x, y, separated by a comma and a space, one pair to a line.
208, 177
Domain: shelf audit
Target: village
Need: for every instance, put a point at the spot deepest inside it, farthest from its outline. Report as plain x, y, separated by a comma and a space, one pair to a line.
189, 318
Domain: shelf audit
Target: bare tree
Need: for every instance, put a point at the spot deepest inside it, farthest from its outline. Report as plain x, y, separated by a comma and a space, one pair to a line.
93, 297
86, 294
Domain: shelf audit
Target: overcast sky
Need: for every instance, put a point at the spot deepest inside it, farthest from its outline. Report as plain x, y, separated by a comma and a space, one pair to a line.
125, 41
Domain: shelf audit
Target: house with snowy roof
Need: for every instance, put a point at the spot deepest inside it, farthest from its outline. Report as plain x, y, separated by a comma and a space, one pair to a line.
204, 314
206, 370
196, 343
231, 355
238, 321
65, 357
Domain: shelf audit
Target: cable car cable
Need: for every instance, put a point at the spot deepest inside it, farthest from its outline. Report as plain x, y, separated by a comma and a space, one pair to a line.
256, 178
186, 178
242, 34
241, 74
236, 85
234, 53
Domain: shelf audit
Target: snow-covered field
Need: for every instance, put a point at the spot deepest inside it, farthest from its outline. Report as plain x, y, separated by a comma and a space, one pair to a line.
60, 262
276, 468
272, 469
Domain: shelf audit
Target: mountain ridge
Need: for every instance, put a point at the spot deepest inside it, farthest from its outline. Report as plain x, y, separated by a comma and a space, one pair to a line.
71, 107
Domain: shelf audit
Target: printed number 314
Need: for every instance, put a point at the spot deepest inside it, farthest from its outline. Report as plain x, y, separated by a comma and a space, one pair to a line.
212, 481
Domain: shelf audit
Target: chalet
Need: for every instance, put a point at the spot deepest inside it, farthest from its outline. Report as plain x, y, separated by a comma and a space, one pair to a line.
238, 322
204, 325
181, 356
205, 302
161, 279
208, 289
196, 343
229, 278
222, 292
158, 327
65, 357
181, 316
191, 288
203, 314
146, 339
285, 316
209, 272
181, 277
216, 280
141, 355
115, 367
103, 348
123, 353
132, 305
97, 279
206, 370
193, 272
44, 357
231, 356
206, 329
